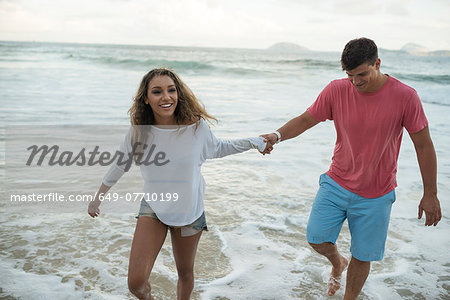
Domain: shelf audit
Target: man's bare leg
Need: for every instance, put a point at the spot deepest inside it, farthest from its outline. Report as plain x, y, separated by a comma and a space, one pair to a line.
356, 277
338, 262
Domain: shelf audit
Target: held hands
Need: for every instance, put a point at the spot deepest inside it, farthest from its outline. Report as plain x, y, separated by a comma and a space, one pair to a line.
271, 140
430, 205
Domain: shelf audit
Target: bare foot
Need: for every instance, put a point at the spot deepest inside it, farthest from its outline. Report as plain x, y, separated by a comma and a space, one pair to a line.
334, 283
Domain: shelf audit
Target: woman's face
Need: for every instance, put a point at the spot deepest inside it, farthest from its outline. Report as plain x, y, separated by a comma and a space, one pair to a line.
162, 96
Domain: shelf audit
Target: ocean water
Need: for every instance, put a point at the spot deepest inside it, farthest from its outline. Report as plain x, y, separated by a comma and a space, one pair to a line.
257, 206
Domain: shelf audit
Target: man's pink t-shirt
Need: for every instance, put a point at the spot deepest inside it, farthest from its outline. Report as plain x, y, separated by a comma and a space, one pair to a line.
369, 129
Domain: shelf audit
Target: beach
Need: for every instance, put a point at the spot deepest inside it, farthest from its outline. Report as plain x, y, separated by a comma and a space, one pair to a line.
256, 206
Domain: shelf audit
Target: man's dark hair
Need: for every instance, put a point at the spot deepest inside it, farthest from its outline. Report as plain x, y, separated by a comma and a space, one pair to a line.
358, 52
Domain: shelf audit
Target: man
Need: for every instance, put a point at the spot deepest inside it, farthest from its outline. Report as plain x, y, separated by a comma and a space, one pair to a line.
369, 110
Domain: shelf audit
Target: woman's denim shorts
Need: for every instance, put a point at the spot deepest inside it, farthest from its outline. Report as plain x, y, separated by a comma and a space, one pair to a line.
187, 230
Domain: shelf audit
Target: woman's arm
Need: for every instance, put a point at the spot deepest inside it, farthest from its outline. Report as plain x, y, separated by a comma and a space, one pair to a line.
93, 209
111, 177
217, 148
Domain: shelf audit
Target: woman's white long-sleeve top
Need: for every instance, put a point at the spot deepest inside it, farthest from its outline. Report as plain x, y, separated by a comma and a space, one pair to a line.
172, 168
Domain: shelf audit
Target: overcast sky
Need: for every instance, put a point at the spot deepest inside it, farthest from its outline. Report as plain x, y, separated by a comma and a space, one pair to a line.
315, 24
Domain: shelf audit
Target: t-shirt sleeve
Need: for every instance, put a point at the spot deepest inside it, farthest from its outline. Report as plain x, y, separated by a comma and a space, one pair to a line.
118, 168
321, 109
414, 119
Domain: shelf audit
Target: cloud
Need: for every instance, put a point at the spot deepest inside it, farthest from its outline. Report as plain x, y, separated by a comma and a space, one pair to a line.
356, 7
398, 7
320, 25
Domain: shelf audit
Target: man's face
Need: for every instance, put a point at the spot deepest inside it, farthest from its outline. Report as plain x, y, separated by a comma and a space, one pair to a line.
365, 77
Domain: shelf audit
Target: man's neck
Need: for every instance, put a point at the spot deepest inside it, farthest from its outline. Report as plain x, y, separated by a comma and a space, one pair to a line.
382, 78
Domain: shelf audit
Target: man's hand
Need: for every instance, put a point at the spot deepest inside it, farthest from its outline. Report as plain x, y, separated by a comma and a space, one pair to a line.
430, 205
270, 139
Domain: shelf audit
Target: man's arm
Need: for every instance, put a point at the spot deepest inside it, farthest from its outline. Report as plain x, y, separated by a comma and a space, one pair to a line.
291, 129
426, 157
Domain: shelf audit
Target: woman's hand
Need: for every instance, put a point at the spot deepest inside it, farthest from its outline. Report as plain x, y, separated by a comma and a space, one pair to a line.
93, 208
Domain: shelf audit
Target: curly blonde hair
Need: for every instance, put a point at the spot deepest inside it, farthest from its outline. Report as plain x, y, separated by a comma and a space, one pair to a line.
189, 109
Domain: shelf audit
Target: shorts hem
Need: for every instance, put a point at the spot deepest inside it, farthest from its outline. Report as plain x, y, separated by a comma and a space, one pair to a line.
147, 215
367, 257
317, 240
154, 216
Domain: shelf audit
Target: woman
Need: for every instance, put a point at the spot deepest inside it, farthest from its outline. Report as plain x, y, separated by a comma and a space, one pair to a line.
173, 184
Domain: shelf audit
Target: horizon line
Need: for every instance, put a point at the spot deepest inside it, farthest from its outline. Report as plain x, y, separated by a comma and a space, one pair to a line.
205, 47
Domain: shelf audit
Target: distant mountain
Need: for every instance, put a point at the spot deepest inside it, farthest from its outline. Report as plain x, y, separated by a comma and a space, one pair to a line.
414, 48
287, 47
441, 53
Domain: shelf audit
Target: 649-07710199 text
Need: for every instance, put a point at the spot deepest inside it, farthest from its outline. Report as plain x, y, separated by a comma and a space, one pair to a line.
130, 197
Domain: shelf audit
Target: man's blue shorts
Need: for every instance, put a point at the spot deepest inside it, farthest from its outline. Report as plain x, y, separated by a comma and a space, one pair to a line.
368, 219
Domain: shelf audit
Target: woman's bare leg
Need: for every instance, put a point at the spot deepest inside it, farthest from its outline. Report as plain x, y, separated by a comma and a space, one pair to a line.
184, 250
148, 239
